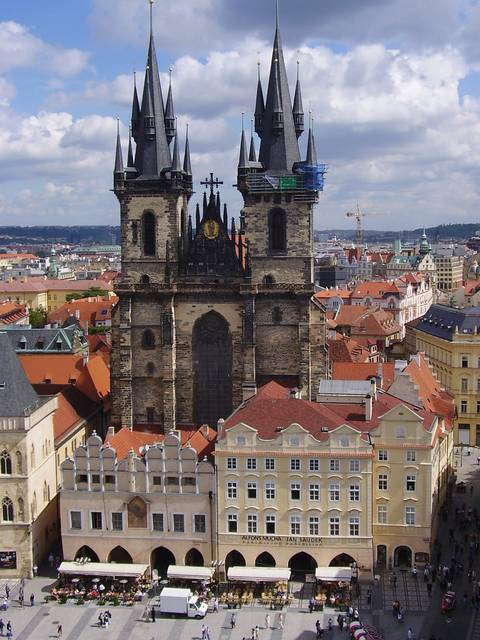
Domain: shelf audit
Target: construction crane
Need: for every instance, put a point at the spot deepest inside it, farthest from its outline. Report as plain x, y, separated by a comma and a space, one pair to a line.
358, 215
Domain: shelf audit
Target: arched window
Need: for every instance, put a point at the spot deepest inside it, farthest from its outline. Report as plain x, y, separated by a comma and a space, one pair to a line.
150, 368
5, 464
18, 456
148, 233
268, 279
21, 509
148, 339
32, 457
145, 279
45, 491
277, 227
7, 510
34, 505
277, 315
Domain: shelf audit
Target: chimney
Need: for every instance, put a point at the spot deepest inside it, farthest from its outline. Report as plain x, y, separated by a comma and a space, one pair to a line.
249, 389
294, 393
85, 358
373, 387
380, 374
111, 431
368, 407
220, 424
77, 314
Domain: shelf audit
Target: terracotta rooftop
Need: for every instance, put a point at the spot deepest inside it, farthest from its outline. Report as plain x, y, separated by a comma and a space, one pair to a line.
374, 289
202, 440
345, 349
87, 311
54, 368
11, 312
272, 408
73, 408
40, 285
364, 371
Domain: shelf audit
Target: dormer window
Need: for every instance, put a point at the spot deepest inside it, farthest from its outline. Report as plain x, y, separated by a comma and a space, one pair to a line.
22, 344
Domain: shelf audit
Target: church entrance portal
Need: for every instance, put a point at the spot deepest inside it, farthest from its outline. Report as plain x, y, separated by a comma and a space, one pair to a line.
212, 367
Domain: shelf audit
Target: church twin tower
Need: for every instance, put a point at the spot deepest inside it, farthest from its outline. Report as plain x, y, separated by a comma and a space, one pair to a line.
209, 310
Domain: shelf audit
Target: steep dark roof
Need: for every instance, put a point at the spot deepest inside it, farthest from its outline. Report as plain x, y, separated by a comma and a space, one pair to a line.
441, 321
152, 154
279, 148
25, 340
17, 396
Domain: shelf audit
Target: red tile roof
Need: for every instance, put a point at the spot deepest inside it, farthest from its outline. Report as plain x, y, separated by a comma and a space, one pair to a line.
73, 408
88, 311
272, 409
40, 285
57, 368
12, 312
363, 371
345, 349
374, 289
202, 440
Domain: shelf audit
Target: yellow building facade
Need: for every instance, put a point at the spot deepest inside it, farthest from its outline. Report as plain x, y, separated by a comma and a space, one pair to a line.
331, 483
450, 339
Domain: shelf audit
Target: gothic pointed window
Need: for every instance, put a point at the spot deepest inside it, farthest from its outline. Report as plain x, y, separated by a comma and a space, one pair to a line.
277, 227
7, 510
5, 464
149, 233
145, 279
21, 509
19, 463
148, 339
277, 315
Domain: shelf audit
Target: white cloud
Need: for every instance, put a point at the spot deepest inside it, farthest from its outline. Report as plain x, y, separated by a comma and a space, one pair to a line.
19, 48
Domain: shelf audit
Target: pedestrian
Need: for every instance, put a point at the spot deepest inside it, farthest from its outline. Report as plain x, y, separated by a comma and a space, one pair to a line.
330, 624
9, 633
267, 621
340, 621
51, 560
280, 621
20, 598
9, 626
318, 626
410, 633
215, 605
207, 633
311, 604
7, 590
414, 571
100, 619
2, 626
153, 614
35, 571
257, 632
4, 606
429, 589
32, 599
59, 631
233, 620
204, 632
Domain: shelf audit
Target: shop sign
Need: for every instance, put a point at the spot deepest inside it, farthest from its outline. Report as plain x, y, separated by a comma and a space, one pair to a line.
8, 559
309, 541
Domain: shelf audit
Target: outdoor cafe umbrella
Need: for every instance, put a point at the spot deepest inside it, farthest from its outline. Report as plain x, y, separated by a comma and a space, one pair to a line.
354, 625
358, 634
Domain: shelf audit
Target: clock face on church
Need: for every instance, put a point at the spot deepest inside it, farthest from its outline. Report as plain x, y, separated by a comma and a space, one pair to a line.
210, 229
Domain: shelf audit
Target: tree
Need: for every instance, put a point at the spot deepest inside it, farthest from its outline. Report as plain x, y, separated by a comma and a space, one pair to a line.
37, 317
93, 292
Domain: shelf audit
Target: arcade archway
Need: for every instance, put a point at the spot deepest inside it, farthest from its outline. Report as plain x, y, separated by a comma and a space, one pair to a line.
161, 559
234, 559
87, 552
301, 564
265, 559
120, 555
194, 558
342, 560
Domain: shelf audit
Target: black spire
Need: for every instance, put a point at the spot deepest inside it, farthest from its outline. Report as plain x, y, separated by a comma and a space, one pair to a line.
176, 164
225, 216
197, 219
252, 156
243, 157
311, 151
118, 152
135, 109
187, 165
298, 115
279, 146
259, 106
153, 153
170, 123
130, 162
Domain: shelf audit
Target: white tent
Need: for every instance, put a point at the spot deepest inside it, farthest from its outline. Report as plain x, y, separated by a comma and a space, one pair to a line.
103, 569
258, 574
333, 574
189, 573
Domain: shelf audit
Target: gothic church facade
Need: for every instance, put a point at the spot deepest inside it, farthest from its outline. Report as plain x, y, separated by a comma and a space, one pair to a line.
209, 309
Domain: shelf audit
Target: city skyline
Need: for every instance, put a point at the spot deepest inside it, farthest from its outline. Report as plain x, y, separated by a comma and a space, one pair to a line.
393, 89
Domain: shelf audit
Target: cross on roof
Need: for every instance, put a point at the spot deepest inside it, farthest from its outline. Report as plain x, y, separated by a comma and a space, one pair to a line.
212, 182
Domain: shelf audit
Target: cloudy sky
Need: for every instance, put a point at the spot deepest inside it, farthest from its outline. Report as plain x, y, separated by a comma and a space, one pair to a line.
394, 86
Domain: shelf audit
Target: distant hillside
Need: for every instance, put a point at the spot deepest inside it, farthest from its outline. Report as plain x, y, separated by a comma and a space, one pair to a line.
440, 232
100, 234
